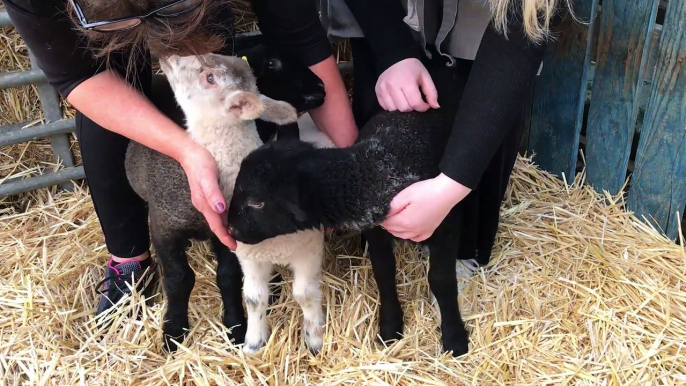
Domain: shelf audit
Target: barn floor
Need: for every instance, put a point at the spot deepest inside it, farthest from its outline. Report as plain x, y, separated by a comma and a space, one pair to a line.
578, 292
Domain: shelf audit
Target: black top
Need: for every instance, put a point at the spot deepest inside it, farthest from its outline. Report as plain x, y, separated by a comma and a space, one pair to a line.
62, 54
502, 73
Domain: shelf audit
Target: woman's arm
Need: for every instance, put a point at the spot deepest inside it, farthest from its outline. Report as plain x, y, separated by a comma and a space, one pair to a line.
294, 26
334, 117
118, 105
108, 100
503, 71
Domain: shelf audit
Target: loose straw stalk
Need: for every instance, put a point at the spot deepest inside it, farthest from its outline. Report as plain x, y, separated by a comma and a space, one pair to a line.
578, 292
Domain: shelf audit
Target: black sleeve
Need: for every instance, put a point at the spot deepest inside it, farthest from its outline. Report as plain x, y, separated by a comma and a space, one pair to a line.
503, 71
295, 27
382, 23
60, 51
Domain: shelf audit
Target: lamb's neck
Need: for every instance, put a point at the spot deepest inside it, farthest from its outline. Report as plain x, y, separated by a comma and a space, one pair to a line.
228, 144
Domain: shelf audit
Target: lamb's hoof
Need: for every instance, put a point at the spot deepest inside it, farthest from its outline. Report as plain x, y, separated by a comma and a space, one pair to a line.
237, 330
174, 332
391, 331
314, 341
169, 341
457, 343
251, 348
255, 341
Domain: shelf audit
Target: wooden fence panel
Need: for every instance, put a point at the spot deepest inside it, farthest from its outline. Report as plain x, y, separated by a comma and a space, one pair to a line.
659, 182
557, 108
623, 43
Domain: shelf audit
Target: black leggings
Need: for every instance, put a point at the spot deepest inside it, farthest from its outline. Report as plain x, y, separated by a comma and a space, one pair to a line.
482, 205
123, 215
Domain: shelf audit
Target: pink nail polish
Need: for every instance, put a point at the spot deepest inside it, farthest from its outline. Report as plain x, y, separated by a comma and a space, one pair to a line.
219, 207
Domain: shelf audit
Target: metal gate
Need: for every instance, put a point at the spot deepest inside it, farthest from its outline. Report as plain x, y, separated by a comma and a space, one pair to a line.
56, 127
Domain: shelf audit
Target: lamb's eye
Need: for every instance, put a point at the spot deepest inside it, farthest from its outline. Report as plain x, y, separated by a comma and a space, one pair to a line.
256, 205
273, 63
210, 78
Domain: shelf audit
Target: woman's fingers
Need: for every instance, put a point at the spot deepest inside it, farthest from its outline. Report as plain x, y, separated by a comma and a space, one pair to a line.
429, 89
210, 190
414, 99
203, 178
216, 224
385, 99
399, 99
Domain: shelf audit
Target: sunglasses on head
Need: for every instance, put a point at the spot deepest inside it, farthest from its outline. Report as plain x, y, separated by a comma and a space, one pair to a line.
171, 9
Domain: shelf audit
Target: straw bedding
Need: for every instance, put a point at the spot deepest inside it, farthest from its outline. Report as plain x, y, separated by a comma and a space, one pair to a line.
578, 292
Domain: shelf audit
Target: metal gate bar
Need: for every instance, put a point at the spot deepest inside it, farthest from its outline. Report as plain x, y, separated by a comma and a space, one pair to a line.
56, 127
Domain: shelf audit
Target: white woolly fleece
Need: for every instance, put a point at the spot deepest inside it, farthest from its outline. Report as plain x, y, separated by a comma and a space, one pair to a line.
283, 249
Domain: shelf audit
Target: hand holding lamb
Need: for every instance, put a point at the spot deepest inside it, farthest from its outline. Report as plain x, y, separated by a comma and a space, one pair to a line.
203, 180
420, 208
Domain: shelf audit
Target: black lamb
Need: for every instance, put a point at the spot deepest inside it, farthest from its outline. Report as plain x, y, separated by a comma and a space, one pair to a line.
303, 187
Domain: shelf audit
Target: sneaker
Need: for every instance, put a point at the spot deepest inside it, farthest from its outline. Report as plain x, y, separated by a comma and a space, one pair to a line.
118, 280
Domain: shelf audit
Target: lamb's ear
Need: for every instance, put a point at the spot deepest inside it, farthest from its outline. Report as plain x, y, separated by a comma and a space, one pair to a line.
244, 105
299, 214
278, 112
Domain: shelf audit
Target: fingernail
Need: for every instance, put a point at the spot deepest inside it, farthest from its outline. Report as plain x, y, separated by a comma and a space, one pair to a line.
219, 207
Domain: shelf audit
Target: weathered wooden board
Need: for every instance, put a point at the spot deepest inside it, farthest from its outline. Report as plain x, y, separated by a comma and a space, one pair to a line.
557, 110
623, 43
658, 186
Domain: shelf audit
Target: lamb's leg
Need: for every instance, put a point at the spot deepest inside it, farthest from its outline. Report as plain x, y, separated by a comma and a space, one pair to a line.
178, 281
307, 292
256, 294
229, 281
443, 284
383, 263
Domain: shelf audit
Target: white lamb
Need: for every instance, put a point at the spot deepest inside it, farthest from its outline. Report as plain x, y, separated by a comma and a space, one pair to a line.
219, 97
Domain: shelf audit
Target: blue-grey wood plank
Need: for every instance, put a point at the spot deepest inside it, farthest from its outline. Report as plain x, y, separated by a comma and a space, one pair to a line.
558, 102
658, 186
623, 43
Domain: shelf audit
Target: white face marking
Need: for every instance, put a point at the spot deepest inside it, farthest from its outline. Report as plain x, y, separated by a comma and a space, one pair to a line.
201, 90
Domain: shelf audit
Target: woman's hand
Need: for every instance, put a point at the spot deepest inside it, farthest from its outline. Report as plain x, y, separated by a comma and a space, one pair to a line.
203, 177
398, 87
420, 208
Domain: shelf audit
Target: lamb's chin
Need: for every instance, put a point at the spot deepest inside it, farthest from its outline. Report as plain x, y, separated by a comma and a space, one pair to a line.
279, 247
